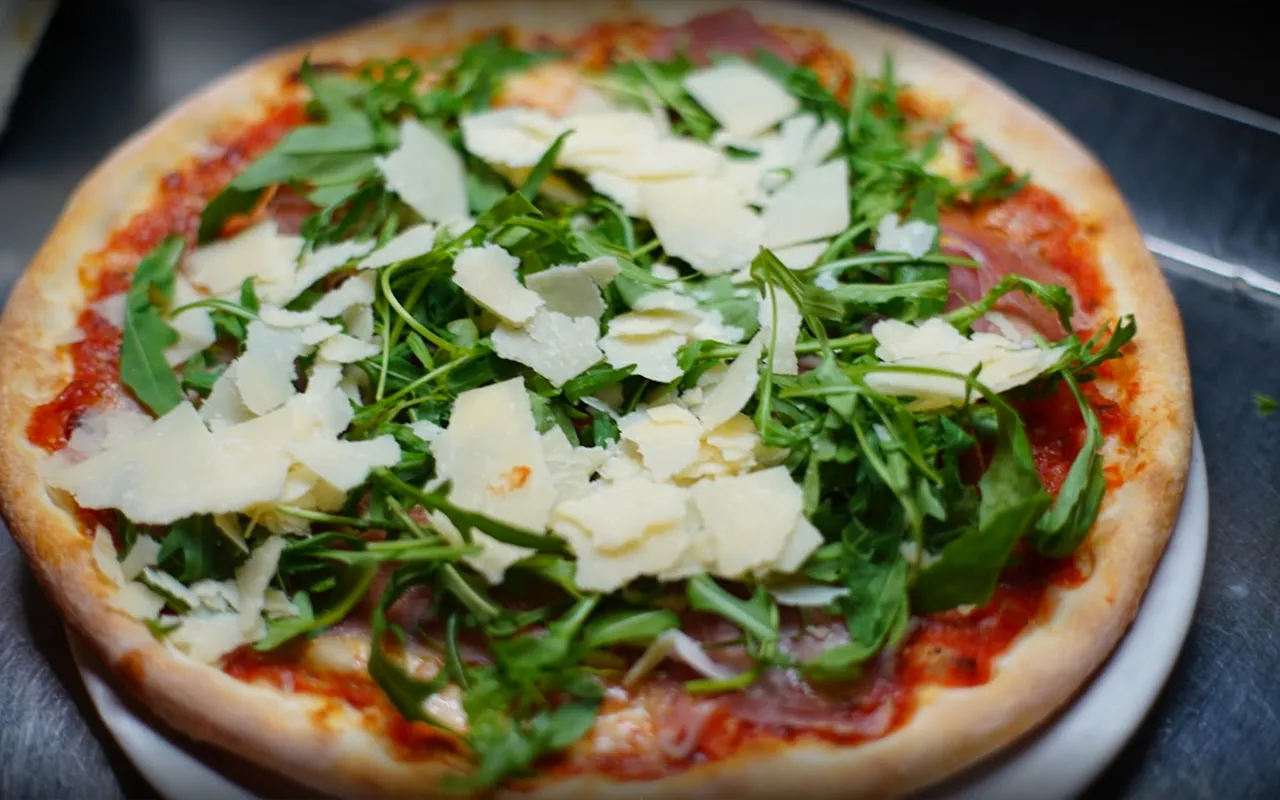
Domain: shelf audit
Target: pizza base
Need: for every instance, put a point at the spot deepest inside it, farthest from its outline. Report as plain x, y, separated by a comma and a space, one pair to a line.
324, 744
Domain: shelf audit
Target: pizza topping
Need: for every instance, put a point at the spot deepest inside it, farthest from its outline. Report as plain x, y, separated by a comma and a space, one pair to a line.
654, 366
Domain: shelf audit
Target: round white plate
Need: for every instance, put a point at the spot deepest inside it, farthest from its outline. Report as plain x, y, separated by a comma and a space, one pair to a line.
1092, 730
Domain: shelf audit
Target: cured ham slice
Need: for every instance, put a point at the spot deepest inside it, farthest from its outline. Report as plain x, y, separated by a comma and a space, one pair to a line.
732, 31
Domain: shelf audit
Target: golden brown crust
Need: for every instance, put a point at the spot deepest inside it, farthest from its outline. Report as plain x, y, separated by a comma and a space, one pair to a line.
952, 728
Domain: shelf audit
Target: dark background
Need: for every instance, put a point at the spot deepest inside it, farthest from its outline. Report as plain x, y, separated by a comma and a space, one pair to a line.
1226, 49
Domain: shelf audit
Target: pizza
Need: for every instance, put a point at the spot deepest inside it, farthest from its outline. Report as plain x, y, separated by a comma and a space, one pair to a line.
579, 400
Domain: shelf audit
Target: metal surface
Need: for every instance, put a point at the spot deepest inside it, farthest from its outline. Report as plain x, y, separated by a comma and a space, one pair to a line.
1206, 183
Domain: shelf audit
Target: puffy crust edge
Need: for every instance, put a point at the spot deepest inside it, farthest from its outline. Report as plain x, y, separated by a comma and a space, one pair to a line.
951, 729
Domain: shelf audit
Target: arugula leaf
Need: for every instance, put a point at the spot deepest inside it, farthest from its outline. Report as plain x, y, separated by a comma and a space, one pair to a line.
875, 613
193, 549
350, 588
1013, 499
143, 368
1064, 526
628, 627
407, 693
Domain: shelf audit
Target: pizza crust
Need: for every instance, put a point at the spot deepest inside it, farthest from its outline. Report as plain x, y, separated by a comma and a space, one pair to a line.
330, 749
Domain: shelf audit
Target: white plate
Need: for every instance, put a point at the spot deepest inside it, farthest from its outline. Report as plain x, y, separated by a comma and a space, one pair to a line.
1092, 730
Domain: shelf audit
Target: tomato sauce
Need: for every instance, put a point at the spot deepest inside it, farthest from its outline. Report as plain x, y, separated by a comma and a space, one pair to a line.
949, 649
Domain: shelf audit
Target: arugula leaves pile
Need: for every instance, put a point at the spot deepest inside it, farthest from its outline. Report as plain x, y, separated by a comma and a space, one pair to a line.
905, 530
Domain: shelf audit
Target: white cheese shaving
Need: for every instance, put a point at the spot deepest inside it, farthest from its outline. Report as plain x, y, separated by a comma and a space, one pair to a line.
681, 645
624, 530
317, 264
747, 519
744, 99
344, 349
915, 238
427, 173
807, 595
409, 243
936, 344
575, 289
106, 558
735, 389
252, 579
800, 256
705, 223
265, 373
813, 205
783, 360
283, 318
488, 276
492, 455
556, 346
653, 355
193, 326
357, 290
170, 587
571, 466
144, 553
207, 638
259, 252
111, 308
138, 601
667, 437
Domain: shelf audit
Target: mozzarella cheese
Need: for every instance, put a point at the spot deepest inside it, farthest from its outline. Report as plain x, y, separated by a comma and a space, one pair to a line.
936, 344
744, 99
555, 346
488, 276
915, 238
492, 455
427, 173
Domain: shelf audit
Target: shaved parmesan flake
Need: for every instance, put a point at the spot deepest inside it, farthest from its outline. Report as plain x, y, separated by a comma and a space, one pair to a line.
252, 579
313, 335
668, 438
935, 344
344, 349
317, 264
807, 595
265, 373
488, 276
410, 243
704, 222
569, 290
744, 99
282, 318
555, 346
144, 553
822, 144
783, 360
138, 601
804, 539
813, 205
653, 355
683, 646
170, 587
342, 464
224, 406
623, 191
624, 530
735, 389
106, 558
207, 639
914, 238
259, 252
492, 455
355, 291
747, 519
515, 137
217, 595
427, 173
111, 308
571, 466
800, 256
193, 326
426, 430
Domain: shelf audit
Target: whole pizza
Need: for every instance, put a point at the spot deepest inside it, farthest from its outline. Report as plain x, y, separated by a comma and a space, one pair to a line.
575, 399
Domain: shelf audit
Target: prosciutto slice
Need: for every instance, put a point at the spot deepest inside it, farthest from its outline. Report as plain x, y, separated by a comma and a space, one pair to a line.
732, 31
997, 258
